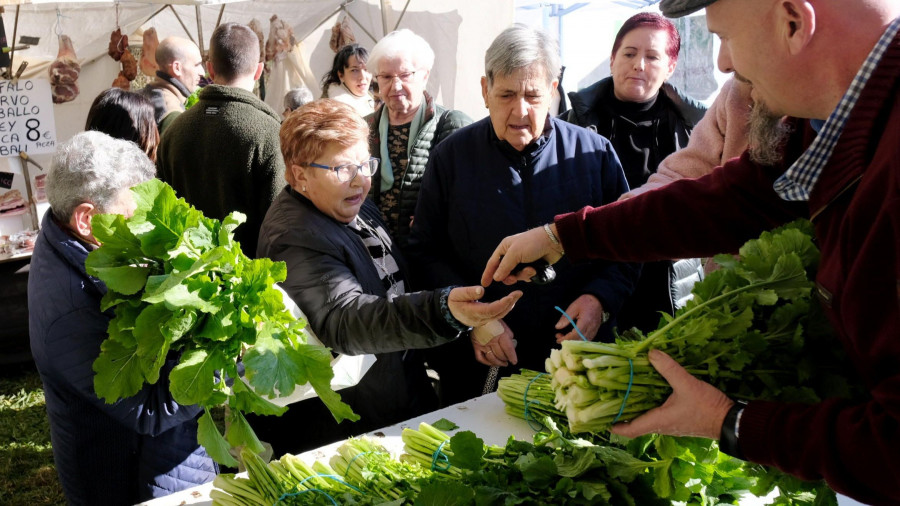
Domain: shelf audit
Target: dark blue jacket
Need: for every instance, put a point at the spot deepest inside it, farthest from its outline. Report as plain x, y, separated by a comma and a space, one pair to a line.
138, 448
478, 190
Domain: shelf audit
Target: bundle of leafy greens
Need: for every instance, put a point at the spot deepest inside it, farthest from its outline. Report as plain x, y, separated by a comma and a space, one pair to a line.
443, 470
743, 331
753, 331
183, 293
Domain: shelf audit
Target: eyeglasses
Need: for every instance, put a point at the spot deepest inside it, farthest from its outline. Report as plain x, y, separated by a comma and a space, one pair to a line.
348, 171
404, 77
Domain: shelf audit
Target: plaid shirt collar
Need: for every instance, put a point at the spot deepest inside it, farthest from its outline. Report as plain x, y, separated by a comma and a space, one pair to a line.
798, 181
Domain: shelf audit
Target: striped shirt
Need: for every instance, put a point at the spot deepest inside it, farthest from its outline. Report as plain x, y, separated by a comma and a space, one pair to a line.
385, 264
798, 181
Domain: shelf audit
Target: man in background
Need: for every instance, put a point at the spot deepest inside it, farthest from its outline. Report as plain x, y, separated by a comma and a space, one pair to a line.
180, 69
223, 154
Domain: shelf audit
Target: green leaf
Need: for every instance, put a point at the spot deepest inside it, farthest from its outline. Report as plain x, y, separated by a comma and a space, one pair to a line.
193, 379
239, 433
126, 279
245, 399
118, 372
447, 493
152, 345
468, 450
444, 425
538, 472
161, 219
211, 439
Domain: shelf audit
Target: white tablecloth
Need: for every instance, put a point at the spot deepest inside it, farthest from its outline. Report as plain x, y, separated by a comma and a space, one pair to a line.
484, 416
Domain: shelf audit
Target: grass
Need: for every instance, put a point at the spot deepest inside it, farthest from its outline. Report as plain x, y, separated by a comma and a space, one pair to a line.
27, 473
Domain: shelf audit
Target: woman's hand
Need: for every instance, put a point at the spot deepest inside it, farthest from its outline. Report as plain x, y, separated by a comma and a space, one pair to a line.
695, 407
499, 350
523, 248
588, 315
464, 305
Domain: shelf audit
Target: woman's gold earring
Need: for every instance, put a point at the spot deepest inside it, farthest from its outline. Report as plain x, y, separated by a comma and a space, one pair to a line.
304, 189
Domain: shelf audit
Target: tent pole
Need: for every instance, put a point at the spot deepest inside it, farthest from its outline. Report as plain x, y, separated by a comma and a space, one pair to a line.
188, 32
361, 27
333, 14
12, 46
199, 29
384, 24
401, 15
219, 19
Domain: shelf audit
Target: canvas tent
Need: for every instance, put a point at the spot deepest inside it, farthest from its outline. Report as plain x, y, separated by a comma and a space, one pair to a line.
458, 30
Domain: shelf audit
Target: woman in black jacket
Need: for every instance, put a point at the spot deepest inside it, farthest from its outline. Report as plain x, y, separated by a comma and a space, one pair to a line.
347, 275
646, 119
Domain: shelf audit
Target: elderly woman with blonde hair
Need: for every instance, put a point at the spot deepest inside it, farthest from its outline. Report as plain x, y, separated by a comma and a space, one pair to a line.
345, 272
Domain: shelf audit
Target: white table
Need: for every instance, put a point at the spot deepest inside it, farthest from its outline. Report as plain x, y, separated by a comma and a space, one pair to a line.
485, 416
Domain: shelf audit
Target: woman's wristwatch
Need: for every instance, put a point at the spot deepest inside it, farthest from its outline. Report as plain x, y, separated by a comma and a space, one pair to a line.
728, 437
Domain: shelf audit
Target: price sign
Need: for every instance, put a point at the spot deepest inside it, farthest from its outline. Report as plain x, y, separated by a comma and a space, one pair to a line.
26, 117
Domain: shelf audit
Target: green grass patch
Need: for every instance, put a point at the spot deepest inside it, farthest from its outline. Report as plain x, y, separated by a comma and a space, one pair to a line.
27, 473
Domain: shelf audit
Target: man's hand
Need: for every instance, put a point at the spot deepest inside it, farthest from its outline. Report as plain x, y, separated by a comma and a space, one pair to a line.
464, 305
588, 315
695, 408
518, 249
499, 351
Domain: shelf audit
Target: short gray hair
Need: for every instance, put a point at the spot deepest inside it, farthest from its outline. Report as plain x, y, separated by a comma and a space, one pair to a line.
94, 167
401, 43
297, 97
521, 46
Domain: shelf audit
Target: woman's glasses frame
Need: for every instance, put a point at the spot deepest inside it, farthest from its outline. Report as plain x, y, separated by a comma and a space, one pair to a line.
348, 171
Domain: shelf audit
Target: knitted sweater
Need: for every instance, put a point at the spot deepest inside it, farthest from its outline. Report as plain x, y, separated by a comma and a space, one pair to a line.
223, 155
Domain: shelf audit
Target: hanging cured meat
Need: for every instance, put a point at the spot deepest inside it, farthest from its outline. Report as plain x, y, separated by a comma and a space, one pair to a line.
64, 72
148, 52
281, 39
118, 43
122, 82
129, 65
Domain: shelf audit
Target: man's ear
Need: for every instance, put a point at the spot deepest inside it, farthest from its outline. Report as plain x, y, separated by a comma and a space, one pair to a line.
177, 68
797, 22
80, 221
210, 71
259, 71
484, 90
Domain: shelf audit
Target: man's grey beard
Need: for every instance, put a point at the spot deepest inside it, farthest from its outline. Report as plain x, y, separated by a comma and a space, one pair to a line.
767, 135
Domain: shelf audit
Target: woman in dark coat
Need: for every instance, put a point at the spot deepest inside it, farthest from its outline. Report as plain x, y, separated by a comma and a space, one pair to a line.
346, 274
646, 119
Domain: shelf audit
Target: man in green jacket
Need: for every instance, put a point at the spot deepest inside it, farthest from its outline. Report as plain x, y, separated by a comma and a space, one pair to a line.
223, 154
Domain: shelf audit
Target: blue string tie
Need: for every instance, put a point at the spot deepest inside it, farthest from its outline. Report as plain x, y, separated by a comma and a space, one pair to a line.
316, 490
350, 464
439, 455
529, 418
572, 322
628, 391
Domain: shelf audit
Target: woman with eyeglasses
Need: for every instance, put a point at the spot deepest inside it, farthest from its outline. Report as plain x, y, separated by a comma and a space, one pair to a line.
406, 127
346, 274
348, 80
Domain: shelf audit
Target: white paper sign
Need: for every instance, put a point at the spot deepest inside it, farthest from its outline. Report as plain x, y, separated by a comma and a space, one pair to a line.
26, 117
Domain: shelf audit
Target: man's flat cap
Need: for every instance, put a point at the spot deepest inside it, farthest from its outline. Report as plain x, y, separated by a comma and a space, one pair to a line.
679, 8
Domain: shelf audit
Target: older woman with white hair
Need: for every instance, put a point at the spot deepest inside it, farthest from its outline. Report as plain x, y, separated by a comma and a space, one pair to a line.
138, 448
505, 174
406, 128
